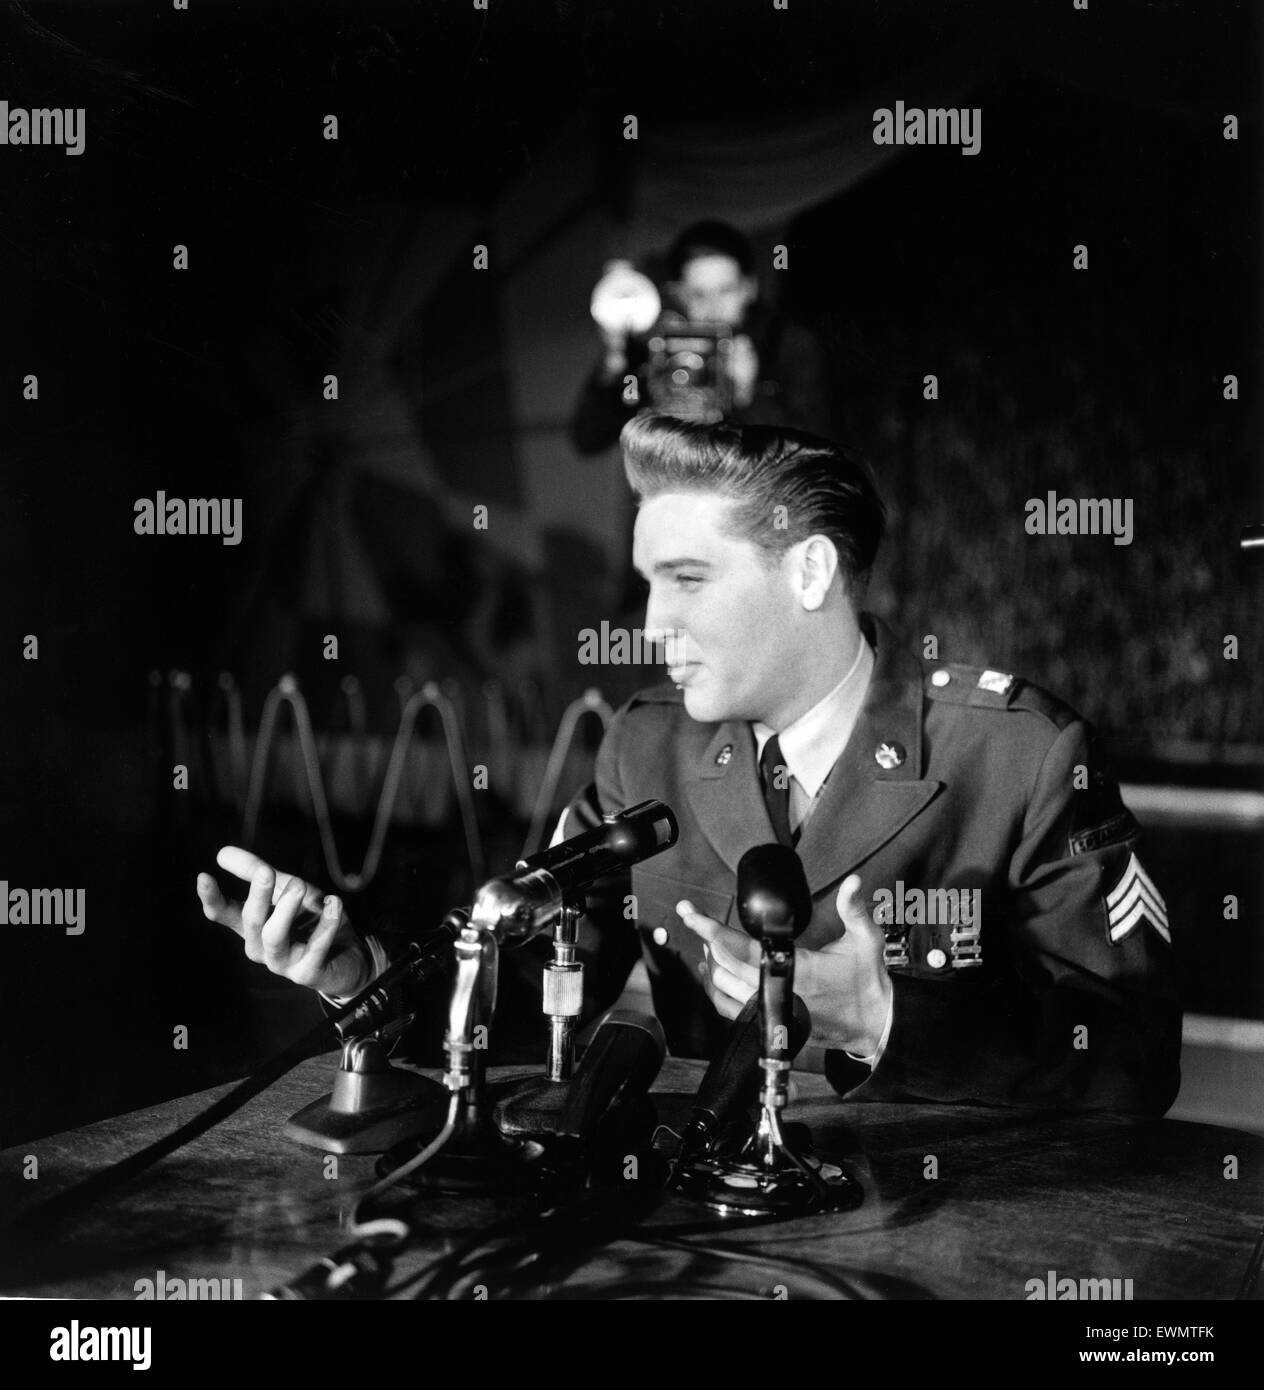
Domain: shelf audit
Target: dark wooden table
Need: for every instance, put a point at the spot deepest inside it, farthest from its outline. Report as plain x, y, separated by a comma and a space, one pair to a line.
1015, 1197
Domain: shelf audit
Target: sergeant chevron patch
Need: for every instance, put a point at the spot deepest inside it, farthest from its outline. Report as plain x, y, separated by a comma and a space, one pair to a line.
1135, 897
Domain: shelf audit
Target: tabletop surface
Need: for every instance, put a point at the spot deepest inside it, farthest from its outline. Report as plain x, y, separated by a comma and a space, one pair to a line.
959, 1202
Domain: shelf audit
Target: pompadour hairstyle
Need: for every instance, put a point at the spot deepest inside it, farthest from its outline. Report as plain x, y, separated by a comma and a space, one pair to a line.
785, 484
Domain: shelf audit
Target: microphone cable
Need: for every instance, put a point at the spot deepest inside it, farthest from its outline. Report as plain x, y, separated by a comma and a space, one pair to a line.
562, 1239
359, 1270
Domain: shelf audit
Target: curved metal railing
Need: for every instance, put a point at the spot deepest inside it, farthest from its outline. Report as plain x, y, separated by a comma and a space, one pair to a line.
287, 693
590, 702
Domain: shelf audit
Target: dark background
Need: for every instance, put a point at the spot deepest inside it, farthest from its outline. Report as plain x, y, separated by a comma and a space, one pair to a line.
308, 256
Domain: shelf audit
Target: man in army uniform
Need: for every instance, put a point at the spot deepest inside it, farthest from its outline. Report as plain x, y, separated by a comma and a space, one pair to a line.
796, 717
1024, 957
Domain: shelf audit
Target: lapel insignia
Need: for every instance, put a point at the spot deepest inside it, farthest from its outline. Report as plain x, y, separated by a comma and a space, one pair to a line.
725, 756
889, 755
1134, 899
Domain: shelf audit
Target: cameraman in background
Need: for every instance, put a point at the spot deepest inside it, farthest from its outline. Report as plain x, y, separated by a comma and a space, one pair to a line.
713, 351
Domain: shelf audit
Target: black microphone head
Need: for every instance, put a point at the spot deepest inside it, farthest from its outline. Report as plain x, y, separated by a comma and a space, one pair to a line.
640, 831
773, 899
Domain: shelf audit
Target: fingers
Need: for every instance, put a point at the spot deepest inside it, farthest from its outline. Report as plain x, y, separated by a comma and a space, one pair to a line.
239, 862
850, 903
725, 1005
739, 948
732, 986
274, 919
742, 967
855, 928
275, 937
257, 908
725, 990
216, 907
706, 927
245, 865
854, 914
730, 970
323, 937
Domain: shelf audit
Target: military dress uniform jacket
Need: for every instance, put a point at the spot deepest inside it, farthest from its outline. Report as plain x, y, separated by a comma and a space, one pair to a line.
1059, 991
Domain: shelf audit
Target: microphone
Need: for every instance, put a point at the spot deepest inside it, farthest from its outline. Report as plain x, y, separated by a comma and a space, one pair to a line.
774, 902
732, 1082
607, 1112
767, 1177
624, 837
618, 1066
518, 906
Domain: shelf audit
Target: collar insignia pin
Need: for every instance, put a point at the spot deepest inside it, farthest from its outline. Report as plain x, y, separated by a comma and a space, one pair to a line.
725, 756
889, 755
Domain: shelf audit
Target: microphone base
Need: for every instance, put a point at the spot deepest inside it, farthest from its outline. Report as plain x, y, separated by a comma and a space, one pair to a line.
478, 1161
372, 1106
534, 1110
372, 1132
739, 1187
534, 1106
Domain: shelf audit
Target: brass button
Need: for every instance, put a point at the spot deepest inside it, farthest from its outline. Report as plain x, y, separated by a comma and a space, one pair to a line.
661, 936
941, 677
936, 959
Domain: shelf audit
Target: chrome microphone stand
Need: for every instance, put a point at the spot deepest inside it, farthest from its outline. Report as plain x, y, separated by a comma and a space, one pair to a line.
478, 1159
535, 1105
767, 1177
545, 892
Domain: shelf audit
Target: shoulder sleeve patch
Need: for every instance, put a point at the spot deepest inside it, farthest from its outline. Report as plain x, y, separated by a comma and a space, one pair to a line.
1099, 818
1118, 830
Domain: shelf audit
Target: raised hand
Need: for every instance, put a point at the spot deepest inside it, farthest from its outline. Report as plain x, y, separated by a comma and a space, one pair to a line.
288, 925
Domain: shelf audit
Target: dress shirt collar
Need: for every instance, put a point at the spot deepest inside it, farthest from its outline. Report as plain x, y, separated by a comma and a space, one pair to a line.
811, 745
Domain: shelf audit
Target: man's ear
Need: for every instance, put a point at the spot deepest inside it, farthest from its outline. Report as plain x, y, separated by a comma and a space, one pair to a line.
816, 568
